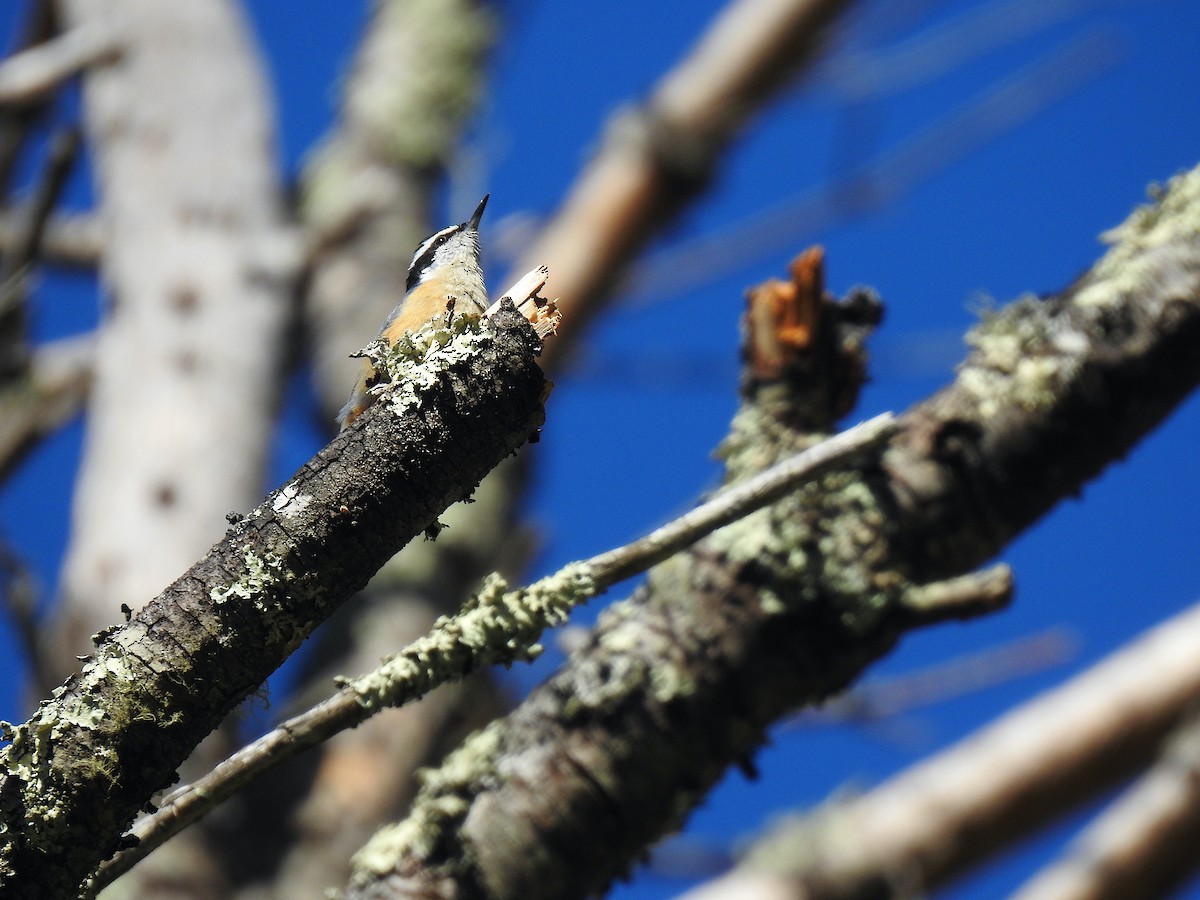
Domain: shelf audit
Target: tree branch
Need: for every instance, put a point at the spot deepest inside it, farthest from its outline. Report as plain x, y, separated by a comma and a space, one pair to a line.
494, 627
51, 393
29, 75
17, 260
956, 808
786, 606
1145, 843
91, 756
72, 240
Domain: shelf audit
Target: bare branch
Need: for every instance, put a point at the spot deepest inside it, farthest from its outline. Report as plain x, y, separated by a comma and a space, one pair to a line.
16, 122
20, 255
50, 394
69, 239
995, 111
20, 602
31, 74
1144, 844
956, 808
656, 157
875, 73
878, 700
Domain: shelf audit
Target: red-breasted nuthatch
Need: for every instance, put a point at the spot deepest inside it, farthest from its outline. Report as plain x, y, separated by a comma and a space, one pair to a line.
444, 269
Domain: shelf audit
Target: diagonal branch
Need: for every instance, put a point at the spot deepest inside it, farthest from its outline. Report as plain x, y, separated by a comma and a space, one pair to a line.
787, 606
953, 810
658, 155
1144, 844
31, 74
116, 731
509, 624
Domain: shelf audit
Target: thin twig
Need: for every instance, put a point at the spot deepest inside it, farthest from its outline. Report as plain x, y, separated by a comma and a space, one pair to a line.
26, 244
16, 122
20, 601
366, 695
19, 257
736, 502
28, 76
70, 239
57, 382
886, 698
875, 73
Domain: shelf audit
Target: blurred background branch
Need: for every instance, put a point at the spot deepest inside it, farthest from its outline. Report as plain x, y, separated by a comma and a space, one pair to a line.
229, 293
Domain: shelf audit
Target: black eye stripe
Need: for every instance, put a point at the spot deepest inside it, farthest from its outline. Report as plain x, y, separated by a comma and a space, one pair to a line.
424, 257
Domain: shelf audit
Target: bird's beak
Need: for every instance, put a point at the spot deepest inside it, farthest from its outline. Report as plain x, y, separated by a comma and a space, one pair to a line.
473, 222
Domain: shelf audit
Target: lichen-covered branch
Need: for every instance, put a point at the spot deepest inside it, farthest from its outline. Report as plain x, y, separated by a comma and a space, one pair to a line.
77, 772
786, 606
495, 626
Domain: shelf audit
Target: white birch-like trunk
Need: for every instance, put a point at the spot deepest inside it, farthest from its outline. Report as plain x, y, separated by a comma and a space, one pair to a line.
196, 271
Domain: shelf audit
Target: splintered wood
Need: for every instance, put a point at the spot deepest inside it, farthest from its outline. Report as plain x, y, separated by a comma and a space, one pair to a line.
782, 316
542, 314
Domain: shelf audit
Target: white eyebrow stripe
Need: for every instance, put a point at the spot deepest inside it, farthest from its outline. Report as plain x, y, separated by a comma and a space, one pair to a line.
424, 255
429, 241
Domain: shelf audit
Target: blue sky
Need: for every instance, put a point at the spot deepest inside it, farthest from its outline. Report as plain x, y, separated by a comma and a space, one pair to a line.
629, 434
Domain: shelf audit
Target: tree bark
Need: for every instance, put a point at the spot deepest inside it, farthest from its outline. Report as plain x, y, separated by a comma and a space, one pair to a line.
198, 270
78, 771
785, 607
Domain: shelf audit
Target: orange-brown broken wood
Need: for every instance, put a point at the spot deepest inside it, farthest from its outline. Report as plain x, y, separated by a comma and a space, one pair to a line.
782, 316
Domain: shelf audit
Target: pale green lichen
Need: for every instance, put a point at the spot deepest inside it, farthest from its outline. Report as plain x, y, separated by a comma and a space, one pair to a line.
669, 682
265, 582
824, 543
1157, 242
420, 76
1022, 356
495, 625
262, 576
601, 686
419, 360
439, 808
1174, 212
95, 700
